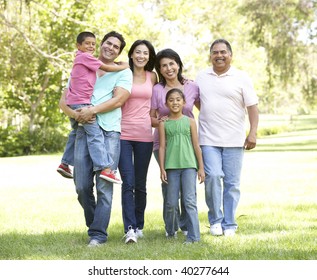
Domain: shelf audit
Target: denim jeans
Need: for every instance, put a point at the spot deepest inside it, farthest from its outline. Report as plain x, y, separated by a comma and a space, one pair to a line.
181, 220
222, 184
183, 180
97, 210
133, 166
95, 139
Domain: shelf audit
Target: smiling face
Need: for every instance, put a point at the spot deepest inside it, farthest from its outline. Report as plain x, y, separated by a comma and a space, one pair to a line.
140, 56
110, 49
175, 102
220, 58
88, 45
169, 68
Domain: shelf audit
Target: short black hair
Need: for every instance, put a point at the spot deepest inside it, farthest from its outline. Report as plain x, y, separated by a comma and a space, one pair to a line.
118, 36
83, 35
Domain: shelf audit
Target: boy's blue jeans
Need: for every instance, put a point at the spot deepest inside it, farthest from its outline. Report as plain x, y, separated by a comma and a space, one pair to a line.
95, 140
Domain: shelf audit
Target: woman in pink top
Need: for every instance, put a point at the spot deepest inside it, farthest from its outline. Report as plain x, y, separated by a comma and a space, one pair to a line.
169, 67
136, 139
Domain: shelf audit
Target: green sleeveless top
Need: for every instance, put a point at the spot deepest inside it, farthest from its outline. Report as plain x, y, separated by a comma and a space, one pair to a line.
179, 148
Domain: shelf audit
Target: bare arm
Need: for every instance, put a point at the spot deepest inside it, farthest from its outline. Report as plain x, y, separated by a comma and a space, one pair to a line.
66, 109
114, 67
162, 152
198, 154
153, 78
154, 119
253, 113
120, 96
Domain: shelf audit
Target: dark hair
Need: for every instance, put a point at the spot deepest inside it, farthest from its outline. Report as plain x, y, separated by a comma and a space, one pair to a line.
118, 36
177, 90
83, 35
171, 54
221, 41
152, 55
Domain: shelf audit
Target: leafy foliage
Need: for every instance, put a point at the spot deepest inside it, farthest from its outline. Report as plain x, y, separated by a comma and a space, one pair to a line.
38, 40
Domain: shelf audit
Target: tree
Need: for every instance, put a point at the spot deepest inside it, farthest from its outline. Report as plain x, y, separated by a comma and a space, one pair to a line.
36, 56
277, 26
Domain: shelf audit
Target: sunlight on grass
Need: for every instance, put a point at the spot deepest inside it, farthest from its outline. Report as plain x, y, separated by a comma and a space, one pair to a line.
277, 215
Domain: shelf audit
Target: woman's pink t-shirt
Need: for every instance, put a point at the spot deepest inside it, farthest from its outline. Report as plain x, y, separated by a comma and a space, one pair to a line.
136, 121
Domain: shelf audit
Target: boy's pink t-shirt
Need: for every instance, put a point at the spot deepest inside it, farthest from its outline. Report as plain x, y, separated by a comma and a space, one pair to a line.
136, 120
83, 78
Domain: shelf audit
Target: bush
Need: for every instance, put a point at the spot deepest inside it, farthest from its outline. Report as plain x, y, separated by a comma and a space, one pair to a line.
23, 142
271, 130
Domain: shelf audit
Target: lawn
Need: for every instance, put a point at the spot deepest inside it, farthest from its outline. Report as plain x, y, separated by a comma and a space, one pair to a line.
277, 215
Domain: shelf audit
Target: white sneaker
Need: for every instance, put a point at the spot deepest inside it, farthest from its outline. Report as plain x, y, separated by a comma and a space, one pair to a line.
130, 236
171, 236
94, 243
216, 229
229, 232
185, 232
139, 233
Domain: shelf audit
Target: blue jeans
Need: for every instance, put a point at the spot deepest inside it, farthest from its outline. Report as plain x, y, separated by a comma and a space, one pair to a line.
133, 166
95, 139
222, 184
181, 211
97, 211
183, 180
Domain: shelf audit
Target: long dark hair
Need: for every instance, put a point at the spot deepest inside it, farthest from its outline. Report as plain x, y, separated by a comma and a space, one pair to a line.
152, 55
171, 54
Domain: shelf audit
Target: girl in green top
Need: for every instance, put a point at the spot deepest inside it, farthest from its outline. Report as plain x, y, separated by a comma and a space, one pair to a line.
180, 161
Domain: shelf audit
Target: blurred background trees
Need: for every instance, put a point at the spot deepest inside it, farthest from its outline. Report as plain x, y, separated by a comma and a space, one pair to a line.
273, 40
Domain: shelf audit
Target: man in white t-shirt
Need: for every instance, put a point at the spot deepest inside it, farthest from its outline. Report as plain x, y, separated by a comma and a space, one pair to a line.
226, 93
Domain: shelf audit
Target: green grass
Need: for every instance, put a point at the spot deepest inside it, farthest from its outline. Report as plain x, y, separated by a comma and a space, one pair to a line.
277, 215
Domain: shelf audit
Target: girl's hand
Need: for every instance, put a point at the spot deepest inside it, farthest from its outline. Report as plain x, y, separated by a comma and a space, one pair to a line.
164, 177
201, 175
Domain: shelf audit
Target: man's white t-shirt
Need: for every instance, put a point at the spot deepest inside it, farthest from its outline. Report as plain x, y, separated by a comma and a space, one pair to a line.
223, 102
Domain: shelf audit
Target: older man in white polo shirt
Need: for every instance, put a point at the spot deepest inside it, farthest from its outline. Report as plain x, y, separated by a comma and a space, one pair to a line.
225, 94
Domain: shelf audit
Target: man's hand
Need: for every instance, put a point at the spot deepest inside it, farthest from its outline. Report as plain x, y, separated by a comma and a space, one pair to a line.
250, 142
85, 115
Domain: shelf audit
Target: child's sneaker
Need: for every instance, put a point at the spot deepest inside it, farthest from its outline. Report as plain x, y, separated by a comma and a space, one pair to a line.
65, 171
111, 177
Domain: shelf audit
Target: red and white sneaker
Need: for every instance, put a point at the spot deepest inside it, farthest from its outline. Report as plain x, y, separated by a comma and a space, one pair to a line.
65, 171
111, 177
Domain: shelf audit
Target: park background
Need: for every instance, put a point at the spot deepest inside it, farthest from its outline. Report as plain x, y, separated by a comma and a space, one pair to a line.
274, 41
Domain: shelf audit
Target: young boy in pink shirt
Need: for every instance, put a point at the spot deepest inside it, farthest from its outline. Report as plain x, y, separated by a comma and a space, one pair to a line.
80, 90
